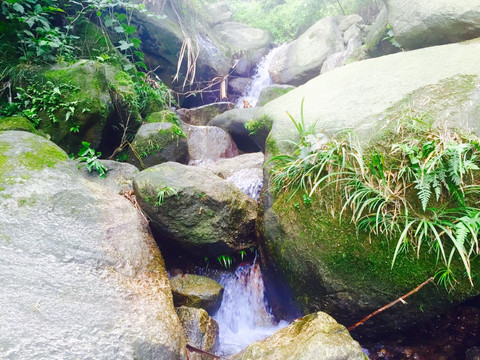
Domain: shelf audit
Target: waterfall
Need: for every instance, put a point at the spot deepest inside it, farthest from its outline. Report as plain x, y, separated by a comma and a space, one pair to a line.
260, 80
244, 316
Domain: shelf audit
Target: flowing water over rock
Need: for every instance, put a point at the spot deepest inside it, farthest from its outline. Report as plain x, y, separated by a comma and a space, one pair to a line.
261, 79
244, 316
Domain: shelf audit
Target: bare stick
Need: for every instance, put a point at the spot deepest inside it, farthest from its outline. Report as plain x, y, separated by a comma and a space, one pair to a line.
199, 351
400, 299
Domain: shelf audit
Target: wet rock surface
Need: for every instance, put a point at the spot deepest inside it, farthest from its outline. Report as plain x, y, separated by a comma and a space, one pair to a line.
80, 273
209, 216
315, 336
197, 292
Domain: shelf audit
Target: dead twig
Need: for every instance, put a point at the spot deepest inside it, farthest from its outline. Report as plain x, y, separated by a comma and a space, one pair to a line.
191, 348
400, 299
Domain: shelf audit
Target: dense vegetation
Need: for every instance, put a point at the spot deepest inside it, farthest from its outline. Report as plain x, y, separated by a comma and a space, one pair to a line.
419, 189
286, 19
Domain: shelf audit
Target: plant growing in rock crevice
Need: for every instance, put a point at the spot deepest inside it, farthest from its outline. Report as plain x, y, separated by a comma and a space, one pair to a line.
422, 191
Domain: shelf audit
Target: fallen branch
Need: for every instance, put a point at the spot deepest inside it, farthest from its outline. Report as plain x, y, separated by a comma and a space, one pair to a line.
400, 299
200, 351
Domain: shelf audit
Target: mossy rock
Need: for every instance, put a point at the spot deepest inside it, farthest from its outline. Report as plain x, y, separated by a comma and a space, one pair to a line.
16, 123
328, 263
156, 143
104, 99
315, 336
272, 92
201, 330
196, 291
204, 215
22, 154
162, 116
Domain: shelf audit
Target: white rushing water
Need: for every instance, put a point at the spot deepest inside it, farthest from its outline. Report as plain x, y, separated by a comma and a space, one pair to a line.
260, 80
244, 316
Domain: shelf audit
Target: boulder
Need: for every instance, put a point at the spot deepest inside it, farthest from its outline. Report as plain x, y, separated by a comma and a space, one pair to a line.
227, 167
218, 13
119, 176
81, 274
201, 330
242, 38
306, 245
163, 116
315, 336
272, 92
201, 115
196, 291
302, 59
209, 144
233, 122
99, 92
423, 23
245, 171
209, 216
237, 85
348, 21
156, 143
16, 123
377, 42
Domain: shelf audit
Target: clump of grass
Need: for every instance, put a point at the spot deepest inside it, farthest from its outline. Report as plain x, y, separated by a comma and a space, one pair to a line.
421, 192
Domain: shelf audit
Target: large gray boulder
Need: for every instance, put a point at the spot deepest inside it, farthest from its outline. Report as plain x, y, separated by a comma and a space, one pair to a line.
80, 273
421, 23
315, 336
119, 176
302, 59
209, 216
208, 144
306, 246
156, 143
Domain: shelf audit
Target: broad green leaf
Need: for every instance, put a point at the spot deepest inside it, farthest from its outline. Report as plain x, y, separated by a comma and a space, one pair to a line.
119, 29
124, 45
19, 8
130, 29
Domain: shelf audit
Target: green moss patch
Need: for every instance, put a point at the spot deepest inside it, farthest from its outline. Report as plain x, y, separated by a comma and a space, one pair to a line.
163, 116
16, 123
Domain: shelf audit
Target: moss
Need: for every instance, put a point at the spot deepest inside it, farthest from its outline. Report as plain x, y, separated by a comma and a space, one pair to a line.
40, 154
264, 122
123, 79
16, 123
163, 116
271, 146
319, 245
272, 93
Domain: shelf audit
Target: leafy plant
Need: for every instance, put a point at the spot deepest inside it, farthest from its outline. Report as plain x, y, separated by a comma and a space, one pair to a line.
391, 38
225, 260
39, 39
163, 193
47, 98
421, 192
88, 156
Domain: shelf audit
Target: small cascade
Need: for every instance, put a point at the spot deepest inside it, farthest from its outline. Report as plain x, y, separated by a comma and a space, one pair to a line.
244, 316
207, 144
250, 181
260, 80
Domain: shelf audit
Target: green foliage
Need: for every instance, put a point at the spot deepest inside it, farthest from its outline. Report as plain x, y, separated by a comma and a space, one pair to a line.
390, 37
163, 193
255, 125
88, 156
287, 19
421, 192
40, 35
47, 99
225, 260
